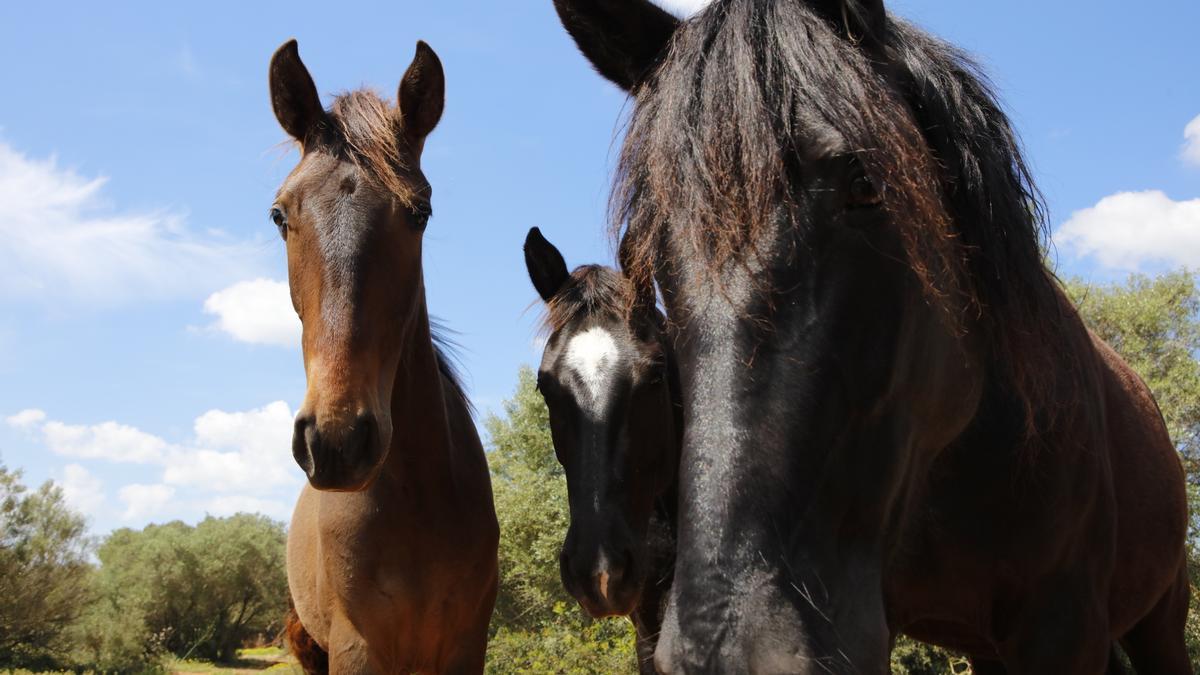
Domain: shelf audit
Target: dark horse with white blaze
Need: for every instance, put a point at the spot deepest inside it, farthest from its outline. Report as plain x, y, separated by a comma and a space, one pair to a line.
895, 421
392, 548
608, 378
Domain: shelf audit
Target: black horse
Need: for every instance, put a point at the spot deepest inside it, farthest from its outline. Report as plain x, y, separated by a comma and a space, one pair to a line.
608, 379
894, 419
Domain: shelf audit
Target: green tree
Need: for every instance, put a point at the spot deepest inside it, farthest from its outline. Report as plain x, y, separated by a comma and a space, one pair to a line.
537, 627
44, 572
192, 591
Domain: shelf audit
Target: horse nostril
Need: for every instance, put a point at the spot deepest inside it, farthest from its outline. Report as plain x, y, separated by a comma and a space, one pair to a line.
626, 561
619, 566
305, 443
359, 441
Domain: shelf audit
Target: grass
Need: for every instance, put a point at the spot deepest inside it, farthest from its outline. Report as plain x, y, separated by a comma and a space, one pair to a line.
249, 662
263, 652
255, 660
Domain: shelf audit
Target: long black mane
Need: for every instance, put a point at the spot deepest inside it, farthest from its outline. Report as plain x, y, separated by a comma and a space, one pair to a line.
716, 138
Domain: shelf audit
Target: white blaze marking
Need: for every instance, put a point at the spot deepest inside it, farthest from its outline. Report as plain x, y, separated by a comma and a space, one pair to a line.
591, 354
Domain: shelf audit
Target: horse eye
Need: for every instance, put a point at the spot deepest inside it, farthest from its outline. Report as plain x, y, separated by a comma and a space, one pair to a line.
280, 220
862, 193
421, 214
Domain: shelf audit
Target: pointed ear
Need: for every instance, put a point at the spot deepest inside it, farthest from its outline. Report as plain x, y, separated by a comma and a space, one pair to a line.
422, 95
293, 94
622, 38
547, 269
861, 21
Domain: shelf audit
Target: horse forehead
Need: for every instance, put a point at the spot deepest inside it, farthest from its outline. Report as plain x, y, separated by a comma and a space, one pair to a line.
593, 354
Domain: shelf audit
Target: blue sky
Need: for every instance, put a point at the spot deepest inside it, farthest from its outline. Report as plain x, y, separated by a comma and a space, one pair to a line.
147, 357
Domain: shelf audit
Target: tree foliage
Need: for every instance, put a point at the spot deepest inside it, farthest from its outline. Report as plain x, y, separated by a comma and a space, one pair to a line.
44, 572
200, 591
537, 627
193, 591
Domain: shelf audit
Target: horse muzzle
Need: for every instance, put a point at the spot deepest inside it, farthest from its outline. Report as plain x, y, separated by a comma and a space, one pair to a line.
338, 458
604, 585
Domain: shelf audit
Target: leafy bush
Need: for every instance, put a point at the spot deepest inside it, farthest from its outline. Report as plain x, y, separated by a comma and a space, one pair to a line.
44, 572
192, 591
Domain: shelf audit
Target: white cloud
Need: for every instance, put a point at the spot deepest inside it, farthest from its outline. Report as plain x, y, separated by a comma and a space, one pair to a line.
107, 441
144, 501
256, 312
683, 8
235, 461
259, 433
26, 418
230, 505
238, 451
1191, 142
83, 491
63, 240
1132, 229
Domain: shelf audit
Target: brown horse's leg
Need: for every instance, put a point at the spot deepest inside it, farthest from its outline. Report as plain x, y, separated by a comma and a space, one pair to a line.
469, 653
981, 666
1116, 666
312, 658
1063, 631
1156, 645
348, 652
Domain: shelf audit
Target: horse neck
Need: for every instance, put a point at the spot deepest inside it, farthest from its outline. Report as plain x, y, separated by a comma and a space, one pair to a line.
421, 438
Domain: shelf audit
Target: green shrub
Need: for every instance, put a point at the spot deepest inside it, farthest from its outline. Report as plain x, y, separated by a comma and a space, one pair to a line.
44, 573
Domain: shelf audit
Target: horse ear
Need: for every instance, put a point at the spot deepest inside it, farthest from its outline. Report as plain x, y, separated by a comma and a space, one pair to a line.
622, 38
861, 21
293, 94
547, 269
422, 95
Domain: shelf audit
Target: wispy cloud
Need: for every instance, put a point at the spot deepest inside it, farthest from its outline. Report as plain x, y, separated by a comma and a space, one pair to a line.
25, 419
1191, 142
1131, 230
256, 312
64, 240
185, 59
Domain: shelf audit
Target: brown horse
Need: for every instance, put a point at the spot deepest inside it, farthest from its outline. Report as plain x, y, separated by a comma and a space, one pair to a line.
895, 422
392, 549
